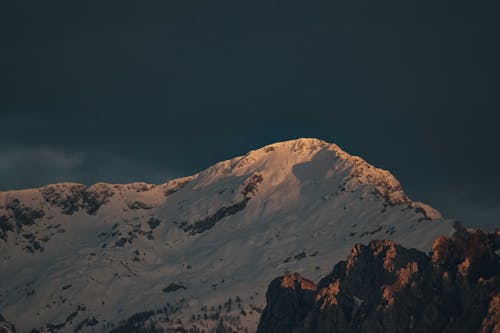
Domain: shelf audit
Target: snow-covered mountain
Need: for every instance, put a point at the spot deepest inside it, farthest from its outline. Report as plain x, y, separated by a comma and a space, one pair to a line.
196, 251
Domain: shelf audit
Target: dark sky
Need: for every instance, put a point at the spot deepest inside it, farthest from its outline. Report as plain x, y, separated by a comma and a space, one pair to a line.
147, 91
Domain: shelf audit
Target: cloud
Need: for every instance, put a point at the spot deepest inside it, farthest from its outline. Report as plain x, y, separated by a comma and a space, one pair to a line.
116, 168
46, 157
34, 166
27, 167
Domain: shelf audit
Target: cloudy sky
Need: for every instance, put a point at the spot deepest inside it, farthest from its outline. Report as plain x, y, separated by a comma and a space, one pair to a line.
123, 91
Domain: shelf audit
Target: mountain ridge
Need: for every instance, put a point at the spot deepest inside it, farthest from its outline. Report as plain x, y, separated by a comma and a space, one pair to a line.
385, 183
197, 241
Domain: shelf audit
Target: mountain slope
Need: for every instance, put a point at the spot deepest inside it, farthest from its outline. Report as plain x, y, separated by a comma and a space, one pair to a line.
197, 249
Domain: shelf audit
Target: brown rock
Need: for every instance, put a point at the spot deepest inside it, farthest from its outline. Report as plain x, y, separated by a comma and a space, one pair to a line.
289, 298
383, 287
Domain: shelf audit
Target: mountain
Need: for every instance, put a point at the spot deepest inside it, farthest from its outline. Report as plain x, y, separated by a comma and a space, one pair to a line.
196, 252
384, 287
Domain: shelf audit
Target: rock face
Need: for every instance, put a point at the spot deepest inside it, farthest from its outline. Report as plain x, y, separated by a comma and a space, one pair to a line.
384, 287
289, 299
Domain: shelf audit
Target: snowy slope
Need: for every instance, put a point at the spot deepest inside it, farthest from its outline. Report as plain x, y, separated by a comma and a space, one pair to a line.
85, 259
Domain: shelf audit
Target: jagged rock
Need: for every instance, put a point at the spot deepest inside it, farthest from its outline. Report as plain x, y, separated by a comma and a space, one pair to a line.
384, 287
289, 297
491, 323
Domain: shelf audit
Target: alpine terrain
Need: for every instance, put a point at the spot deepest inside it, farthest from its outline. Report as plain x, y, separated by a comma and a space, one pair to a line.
383, 287
196, 253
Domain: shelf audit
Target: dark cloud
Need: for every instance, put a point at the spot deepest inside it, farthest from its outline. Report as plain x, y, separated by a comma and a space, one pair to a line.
35, 166
147, 91
29, 166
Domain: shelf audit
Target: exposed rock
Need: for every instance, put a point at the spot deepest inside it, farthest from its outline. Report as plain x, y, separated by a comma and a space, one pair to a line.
384, 287
153, 223
427, 211
289, 299
250, 188
5, 227
21, 215
383, 182
141, 187
74, 197
251, 184
208, 222
96, 196
5, 326
175, 185
139, 205
491, 322
68, 197
173, 287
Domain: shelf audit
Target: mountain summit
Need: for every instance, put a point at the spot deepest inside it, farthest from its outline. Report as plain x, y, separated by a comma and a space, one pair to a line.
196, 252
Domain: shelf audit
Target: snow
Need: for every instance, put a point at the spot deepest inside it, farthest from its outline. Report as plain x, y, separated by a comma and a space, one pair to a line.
314, 200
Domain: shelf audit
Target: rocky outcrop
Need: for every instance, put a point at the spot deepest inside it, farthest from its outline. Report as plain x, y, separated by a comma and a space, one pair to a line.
384, 287
250, 188
175, 185
134, 205
208, 222
289, 299
72, 197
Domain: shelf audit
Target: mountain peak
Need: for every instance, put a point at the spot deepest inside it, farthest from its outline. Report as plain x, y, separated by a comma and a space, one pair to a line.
220, 234
316, 160
300, 143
